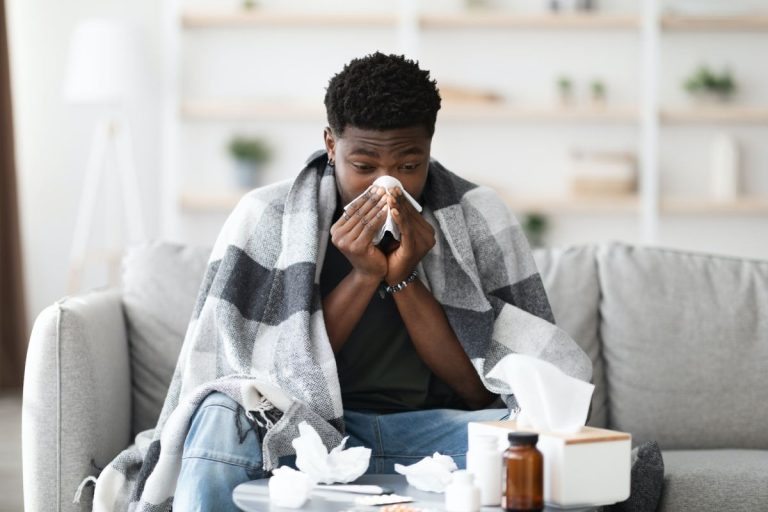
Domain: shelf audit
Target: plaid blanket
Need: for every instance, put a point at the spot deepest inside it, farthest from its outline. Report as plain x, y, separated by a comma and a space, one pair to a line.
257, 331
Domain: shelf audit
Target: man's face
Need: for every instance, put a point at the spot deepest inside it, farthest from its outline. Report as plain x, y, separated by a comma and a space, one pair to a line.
361, 156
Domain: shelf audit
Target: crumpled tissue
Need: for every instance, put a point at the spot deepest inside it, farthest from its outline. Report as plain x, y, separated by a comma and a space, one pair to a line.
431, 474
338, 466
549, 399
289, 488
389, 225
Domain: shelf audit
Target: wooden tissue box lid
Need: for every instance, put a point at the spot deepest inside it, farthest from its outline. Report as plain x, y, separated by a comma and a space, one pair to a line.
586, 435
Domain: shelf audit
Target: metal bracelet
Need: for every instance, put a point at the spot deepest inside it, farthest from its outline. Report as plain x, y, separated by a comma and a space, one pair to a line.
402, 284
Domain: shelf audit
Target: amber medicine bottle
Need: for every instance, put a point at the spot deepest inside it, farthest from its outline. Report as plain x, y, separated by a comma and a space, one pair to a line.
523, 474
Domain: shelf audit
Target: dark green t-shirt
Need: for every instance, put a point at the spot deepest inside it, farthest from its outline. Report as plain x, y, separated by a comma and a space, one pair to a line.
379, 368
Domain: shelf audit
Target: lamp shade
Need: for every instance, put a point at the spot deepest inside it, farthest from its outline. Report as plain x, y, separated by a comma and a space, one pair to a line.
106, 62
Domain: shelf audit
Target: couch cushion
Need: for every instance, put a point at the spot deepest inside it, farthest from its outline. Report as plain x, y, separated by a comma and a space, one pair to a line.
685, 342
160, 285
570, 278
734, 480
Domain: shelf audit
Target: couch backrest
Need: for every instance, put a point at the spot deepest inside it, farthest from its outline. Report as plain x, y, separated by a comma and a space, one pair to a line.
685, 342
678, 341
570, 278
160, 286
161, 281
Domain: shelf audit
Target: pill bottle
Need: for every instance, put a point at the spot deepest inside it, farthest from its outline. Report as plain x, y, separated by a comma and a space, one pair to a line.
484, 461
462, 495
523, 467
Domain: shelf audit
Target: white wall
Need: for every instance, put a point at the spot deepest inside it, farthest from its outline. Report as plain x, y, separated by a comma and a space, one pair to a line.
53, 137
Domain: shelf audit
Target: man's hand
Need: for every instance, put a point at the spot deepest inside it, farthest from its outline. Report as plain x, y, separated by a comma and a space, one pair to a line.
353, 233
417, 237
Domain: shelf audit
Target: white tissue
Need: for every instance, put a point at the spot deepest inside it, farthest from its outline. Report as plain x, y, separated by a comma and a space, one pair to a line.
388, 182
289, 488
340, 465
549, 399
431, 474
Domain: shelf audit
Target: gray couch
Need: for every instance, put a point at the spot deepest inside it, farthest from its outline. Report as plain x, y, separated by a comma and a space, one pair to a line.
679, 344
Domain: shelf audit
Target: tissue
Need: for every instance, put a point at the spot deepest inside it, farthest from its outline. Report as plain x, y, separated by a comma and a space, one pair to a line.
431, 474
549, 399
340, 465
389, 182
289, 488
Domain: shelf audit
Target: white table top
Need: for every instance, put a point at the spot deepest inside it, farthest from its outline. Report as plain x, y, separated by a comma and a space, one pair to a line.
253, 496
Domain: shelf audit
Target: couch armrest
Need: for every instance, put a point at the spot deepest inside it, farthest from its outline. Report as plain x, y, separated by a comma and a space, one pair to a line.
77, 398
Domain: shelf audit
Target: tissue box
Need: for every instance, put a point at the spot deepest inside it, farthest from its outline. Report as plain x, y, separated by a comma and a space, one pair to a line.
588, 468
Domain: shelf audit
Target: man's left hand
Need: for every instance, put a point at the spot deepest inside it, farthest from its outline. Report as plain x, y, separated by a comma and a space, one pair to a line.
417, 237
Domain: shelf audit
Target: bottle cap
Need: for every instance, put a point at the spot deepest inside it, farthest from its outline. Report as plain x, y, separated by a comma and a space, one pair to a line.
463, 477
520, 438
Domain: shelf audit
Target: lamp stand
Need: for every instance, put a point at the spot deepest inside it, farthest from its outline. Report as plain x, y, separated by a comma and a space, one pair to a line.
110, 132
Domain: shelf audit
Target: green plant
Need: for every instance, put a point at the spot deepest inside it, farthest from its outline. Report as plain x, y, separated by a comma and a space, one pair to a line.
476, 4
598, 90
535, 226
706, 81
250, 149
565, 89
564, 85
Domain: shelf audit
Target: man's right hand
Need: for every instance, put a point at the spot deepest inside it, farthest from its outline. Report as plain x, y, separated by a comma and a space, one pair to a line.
353, 233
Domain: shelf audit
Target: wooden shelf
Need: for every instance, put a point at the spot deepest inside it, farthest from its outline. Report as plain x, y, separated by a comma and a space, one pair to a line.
219, 18
746, 205
223, 201
504, 112
573, 205
472, 19
279, 110
208, 110
266, 18
741, 22
716, 114
496, 19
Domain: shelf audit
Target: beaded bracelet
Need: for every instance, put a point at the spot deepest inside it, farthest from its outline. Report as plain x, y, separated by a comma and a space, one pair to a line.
402, 284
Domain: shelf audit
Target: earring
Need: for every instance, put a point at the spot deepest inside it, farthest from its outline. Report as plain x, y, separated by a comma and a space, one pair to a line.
331, 163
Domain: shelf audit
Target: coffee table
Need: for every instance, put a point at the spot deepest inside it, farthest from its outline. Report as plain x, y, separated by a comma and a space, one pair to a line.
253, 496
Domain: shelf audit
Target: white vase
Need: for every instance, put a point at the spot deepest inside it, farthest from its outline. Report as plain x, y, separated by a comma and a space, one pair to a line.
248, 174
725, 168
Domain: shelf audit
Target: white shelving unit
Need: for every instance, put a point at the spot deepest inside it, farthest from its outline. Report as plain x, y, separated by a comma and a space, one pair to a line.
649, 116
451, 111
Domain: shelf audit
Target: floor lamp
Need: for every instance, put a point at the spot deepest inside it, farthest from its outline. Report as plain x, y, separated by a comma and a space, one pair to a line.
105, 70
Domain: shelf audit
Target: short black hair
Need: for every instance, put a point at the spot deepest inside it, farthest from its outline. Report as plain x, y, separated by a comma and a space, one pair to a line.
382, 92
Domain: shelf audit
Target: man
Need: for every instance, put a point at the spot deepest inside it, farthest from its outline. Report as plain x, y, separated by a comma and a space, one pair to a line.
399, 351
301, 317
408, 386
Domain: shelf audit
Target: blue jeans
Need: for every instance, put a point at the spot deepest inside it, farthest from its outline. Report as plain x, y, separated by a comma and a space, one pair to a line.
222, 450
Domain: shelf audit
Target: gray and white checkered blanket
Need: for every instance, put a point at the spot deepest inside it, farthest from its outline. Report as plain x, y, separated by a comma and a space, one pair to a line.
257, 331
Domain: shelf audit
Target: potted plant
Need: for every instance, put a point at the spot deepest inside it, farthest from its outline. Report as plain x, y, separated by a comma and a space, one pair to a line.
705, 84
476, 4
598, 92
535, 226
250, 155
565, 90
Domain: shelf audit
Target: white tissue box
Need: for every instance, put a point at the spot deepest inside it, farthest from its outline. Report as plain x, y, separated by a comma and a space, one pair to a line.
588, 468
